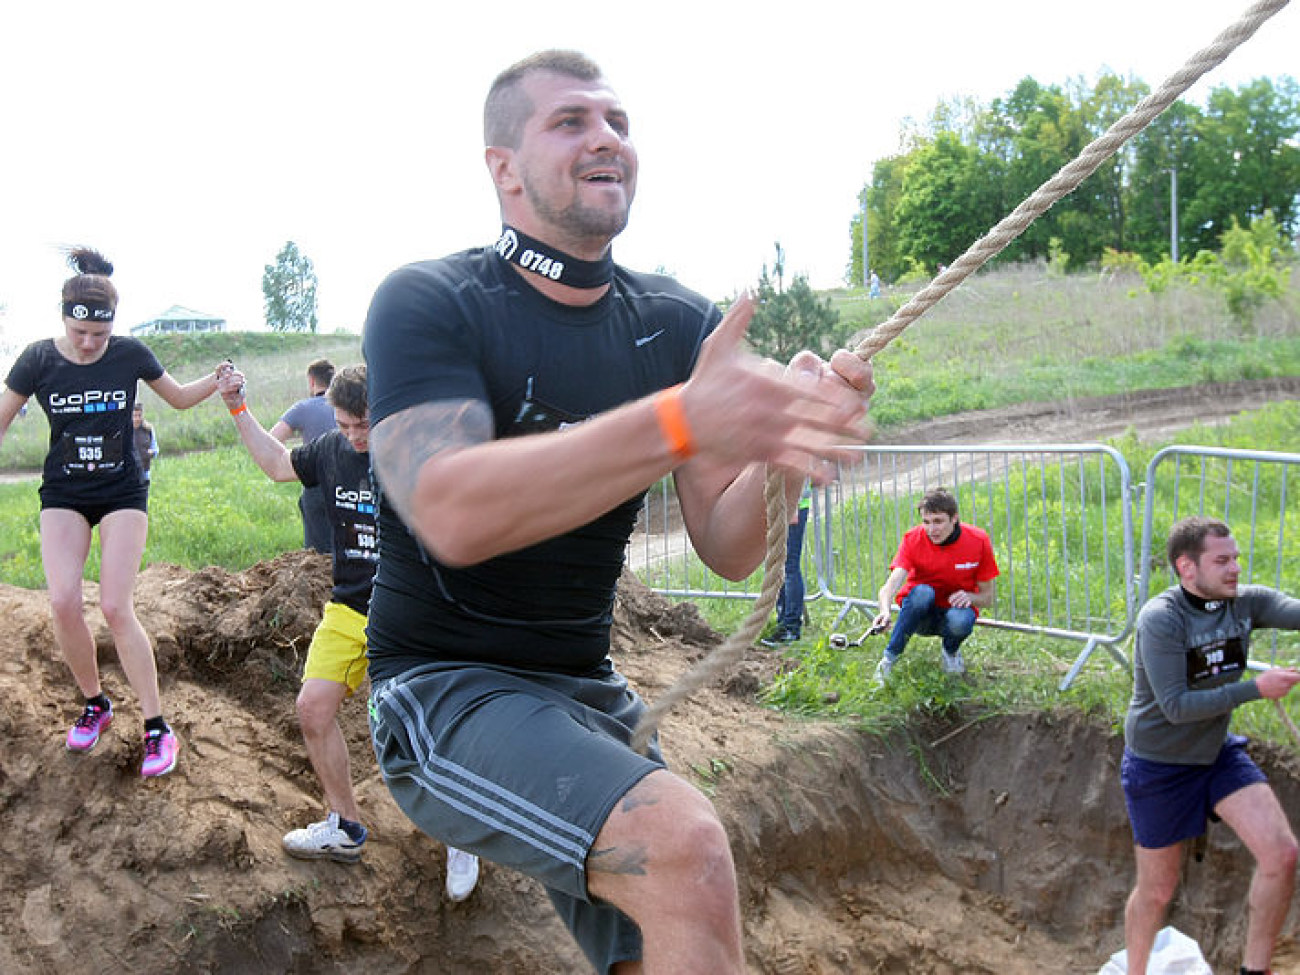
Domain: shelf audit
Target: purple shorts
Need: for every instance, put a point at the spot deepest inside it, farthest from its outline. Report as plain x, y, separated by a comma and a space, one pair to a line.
1171, 803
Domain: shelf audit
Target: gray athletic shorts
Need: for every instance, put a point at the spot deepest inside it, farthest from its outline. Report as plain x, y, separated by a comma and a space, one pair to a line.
520, 768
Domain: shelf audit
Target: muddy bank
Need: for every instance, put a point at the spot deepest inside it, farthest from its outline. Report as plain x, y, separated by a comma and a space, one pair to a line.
956, 845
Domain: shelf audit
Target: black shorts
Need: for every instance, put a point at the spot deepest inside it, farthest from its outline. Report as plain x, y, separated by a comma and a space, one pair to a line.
94, 512
521, 768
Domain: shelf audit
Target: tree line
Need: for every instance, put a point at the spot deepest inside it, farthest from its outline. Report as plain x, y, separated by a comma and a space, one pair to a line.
969, 165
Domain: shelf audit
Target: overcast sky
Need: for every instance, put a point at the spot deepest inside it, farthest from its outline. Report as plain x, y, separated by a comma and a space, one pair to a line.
189, 142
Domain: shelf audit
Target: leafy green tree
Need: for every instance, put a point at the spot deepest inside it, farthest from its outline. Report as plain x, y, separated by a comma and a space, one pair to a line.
289, 290
948, 200
790, 320
1247, 158
1047, 131
1258, 263
1253, 268
1105, 190
1164, 147
882, 228
967, 168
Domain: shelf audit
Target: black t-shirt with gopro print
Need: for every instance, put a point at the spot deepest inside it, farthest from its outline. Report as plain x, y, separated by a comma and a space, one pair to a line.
344, 479
91, 459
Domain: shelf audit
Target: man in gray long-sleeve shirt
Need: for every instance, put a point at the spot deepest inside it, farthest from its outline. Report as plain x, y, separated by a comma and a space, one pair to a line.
1181, 766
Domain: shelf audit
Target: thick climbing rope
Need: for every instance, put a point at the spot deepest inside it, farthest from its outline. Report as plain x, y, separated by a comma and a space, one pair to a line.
727, 654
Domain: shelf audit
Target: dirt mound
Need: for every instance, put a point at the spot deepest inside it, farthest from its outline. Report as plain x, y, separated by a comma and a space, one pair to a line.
959, 846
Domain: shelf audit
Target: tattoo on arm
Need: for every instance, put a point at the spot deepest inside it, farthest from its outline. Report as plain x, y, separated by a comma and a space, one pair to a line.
629, 860
403, 442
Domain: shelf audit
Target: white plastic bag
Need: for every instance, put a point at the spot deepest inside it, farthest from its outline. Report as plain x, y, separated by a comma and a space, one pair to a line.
1172, 954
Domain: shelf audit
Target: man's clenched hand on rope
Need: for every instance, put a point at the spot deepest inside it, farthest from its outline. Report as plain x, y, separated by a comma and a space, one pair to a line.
743, 408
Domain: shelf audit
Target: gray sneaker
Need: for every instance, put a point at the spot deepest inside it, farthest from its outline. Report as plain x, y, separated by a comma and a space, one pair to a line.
953, 663
325, 840
884, 669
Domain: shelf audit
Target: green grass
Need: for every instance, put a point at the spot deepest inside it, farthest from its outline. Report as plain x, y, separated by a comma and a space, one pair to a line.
1007, 673
910, 389
1018, 335
209, 508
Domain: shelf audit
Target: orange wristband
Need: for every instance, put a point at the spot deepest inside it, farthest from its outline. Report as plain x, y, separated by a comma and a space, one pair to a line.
241, 408
672, 422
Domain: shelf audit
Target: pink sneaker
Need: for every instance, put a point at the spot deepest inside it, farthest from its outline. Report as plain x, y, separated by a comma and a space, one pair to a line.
160, 750
85, 731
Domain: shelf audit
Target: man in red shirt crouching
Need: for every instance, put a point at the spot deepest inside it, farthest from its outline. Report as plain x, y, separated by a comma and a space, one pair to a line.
943, 575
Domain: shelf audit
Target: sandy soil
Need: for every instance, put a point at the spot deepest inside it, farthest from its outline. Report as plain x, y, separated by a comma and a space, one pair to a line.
953, 846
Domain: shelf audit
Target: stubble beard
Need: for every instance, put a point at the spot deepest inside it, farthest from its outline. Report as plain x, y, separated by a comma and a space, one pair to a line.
577, 221
1218, 589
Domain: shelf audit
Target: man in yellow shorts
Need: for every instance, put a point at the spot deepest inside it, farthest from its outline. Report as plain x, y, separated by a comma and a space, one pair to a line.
339, 462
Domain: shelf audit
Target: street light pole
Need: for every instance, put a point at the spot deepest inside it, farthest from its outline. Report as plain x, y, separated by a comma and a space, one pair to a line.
866, 264
1173, 214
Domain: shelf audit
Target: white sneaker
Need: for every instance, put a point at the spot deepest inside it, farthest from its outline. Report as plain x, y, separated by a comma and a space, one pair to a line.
884, 669
953, 664
324, 841
462, 874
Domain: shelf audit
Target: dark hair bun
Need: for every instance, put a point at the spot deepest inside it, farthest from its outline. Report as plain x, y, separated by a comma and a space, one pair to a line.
87, 260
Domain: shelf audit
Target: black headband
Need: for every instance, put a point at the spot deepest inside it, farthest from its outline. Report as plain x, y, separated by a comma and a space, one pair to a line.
532, 255
95, 311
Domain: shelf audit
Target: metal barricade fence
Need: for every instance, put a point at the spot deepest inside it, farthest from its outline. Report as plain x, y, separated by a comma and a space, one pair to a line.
1060, 516
661, 555
1250, 490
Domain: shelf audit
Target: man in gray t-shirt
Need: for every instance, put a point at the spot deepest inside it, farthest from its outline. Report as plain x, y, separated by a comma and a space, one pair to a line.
1181, 766
310, 418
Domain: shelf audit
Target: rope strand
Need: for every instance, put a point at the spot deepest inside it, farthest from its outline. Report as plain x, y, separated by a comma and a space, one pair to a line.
979, 253
728, 654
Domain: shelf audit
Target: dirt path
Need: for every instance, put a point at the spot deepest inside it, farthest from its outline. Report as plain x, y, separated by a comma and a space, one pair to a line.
1152, 414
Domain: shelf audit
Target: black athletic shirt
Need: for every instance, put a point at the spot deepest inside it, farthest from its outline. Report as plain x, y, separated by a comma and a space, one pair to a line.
91, 459
468, 327
344, 479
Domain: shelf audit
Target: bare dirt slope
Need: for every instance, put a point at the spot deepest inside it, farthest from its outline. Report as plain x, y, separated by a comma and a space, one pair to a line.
951, 847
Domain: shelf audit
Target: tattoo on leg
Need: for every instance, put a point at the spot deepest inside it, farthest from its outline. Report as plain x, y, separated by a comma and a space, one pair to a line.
630, 861
637, 797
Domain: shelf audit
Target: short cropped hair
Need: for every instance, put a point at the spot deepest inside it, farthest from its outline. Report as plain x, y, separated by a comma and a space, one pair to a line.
1187, 537
321, 372
938, 501
347, 391
507, 108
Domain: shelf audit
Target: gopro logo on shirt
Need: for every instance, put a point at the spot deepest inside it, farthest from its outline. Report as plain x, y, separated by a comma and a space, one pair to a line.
89, 401
360, 501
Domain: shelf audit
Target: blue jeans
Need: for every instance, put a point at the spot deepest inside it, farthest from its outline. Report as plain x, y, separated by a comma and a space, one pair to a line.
919, 614
789, 602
